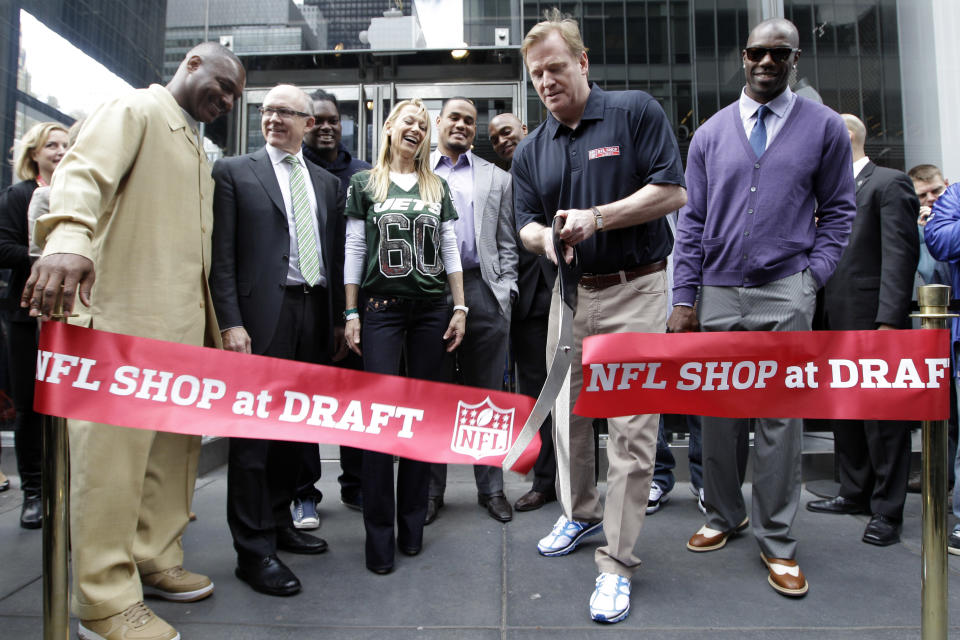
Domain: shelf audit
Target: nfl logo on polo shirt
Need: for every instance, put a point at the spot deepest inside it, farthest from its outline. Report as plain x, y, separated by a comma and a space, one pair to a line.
603, 152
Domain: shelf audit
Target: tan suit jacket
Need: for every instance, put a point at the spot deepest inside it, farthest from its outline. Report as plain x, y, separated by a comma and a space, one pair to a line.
135, 196
128, 207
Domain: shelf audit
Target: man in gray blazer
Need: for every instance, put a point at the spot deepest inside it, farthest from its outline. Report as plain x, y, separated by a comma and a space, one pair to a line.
483, 196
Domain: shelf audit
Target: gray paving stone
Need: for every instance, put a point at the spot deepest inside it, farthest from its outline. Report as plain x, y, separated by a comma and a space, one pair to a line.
479, 579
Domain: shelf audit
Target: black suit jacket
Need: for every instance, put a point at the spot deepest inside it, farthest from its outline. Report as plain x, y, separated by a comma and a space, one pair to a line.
14, 248
251, 245
534, 274
873, 282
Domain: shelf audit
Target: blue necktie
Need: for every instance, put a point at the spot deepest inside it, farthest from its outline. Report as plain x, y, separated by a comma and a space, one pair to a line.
758, 137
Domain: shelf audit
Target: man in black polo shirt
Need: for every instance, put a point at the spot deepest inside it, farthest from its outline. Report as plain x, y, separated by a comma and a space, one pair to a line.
607, 163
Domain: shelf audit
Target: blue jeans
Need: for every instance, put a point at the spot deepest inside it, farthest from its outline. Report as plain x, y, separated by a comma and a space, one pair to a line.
391, 328
665, 462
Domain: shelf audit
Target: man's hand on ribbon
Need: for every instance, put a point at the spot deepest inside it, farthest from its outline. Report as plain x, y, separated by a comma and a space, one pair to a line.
73, 272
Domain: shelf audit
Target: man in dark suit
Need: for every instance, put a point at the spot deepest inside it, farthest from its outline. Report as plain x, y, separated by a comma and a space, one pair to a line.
871, 289
276, 282
528, 325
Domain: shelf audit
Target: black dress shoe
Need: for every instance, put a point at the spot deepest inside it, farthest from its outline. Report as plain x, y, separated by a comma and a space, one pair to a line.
433, 508
410, 550
838, 504
497, 506
31, 514
296, 541
268, 575
882, 531
533, 500
381, 571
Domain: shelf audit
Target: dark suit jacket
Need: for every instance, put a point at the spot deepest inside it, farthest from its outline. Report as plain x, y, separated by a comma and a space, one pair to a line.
534, 273
251, 245
14, 249
873, 281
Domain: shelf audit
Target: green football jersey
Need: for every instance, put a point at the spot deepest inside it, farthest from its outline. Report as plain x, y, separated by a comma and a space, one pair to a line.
403, 239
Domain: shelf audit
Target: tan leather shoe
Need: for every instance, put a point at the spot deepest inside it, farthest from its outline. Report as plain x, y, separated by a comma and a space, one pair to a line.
707, 539
785, 576
4, 482
137, 622
177, 584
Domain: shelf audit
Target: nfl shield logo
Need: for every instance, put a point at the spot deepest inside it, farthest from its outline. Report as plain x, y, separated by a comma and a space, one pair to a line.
482, 429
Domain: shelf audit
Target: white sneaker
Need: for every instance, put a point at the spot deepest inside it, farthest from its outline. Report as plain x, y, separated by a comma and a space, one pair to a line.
657, 498
565, 537
610, 601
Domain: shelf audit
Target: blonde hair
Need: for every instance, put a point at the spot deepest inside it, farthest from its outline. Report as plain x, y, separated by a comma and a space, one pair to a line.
431, 188
562, 23
23, 163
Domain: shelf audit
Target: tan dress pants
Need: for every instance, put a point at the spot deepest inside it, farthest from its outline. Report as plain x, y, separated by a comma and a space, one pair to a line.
637, 305
130, 494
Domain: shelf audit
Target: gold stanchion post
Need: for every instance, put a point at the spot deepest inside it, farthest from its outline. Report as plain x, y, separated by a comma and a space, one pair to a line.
934, 302
55, 488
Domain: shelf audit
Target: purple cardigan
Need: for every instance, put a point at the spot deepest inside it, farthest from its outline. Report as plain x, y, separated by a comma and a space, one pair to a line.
749, 221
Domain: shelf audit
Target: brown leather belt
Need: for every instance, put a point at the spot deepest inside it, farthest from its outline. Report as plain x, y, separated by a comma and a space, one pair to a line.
605, 280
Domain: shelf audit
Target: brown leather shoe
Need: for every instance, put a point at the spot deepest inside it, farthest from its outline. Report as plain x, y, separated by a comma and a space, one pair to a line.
707, 539
533, 500
785, 576
915, 482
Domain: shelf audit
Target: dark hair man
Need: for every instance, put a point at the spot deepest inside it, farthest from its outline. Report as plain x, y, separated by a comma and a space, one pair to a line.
528, 325
483, 196
871, 288
138, 164
606, 164
759, 174
277, 267
323, 146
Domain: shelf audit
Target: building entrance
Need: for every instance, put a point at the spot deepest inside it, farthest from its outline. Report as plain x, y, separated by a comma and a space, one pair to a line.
367, 86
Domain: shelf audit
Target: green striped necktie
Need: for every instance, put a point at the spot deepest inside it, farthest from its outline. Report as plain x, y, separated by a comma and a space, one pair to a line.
306, 242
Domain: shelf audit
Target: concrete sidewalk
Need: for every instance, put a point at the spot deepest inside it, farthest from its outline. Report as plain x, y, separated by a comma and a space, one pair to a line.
478, 579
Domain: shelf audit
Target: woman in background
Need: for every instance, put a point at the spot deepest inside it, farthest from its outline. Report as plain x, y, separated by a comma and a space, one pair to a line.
41, 150
402, 250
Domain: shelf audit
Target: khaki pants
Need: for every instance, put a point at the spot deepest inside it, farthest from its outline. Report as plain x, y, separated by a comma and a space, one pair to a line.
130, 494
638, 305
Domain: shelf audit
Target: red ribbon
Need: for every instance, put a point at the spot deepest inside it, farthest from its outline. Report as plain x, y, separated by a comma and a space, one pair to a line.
123, 380
867, 375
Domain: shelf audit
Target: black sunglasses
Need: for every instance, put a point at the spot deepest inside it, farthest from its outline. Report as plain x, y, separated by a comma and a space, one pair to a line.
777, 54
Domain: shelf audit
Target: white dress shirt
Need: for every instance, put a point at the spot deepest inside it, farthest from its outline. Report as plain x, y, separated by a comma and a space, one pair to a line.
282, 170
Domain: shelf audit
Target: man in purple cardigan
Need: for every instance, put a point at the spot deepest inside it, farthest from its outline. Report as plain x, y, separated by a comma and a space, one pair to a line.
771, 200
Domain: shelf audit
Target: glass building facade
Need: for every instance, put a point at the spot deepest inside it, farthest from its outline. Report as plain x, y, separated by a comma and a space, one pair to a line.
686, 53
125, 36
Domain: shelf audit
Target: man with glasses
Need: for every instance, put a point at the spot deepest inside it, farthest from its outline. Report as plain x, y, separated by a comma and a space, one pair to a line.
322, 146
277, 286
770, 205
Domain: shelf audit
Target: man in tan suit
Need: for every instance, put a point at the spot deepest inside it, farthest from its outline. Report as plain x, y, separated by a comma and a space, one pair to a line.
131, 207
